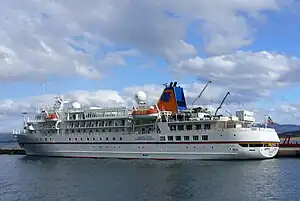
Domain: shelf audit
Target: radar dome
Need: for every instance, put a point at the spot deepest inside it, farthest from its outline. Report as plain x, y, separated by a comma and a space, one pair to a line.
76, 105
140, 97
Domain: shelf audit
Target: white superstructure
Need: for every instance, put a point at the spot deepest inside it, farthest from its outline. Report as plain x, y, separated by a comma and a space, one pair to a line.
167, 130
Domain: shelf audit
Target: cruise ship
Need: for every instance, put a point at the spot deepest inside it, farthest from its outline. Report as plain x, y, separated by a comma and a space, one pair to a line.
165, 130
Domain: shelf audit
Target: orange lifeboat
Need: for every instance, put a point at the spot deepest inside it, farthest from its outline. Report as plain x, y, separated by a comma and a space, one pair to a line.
51, 117
145, 112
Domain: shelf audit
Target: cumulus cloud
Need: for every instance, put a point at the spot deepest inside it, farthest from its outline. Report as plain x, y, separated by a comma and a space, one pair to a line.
42, 38
51, 38
249, 75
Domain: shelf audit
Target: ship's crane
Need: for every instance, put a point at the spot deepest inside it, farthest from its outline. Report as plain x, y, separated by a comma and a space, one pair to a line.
220, 106
201, 93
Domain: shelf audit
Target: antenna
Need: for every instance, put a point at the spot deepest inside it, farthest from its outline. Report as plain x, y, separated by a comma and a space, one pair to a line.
220, 106
228, 112
201, 93
45, 84
46, 81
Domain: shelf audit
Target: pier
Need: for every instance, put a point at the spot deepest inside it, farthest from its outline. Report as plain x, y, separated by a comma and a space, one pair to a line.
289, 147
12, 151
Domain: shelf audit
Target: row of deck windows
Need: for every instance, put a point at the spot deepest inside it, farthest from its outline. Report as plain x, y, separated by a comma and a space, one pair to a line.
87, 131
180, 127
97, 114
162, 138
258, 145
185, 138
96, 124
101, 130
88, 139
95, 139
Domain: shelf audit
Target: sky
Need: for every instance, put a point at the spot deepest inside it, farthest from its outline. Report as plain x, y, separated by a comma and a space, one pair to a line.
101, 52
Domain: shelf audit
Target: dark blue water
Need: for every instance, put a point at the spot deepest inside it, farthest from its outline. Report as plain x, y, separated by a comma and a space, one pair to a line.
37, 179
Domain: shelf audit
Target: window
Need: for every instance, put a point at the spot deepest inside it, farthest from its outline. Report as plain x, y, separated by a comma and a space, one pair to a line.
120, 138
180, 127
204, 137
172, 127
178, 138
198, 126
206, 126
162, 138
93, 138
189, 127
106, 138
87, 138
114, 138
170, 138
255, 145
186, 138
195, 138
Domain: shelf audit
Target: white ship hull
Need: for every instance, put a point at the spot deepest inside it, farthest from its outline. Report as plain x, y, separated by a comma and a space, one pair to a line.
222, 152
220, 146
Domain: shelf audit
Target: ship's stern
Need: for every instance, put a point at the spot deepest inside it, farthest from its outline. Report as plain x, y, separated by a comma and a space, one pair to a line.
269, 152
262, 143
271, 148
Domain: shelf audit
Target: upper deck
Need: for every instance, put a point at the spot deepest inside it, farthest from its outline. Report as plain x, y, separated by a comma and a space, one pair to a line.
171, 108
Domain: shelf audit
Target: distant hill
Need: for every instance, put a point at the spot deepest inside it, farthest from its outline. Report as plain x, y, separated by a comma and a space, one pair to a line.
283, 128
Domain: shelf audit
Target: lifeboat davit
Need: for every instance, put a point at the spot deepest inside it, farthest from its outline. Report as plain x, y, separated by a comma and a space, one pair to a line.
145, 112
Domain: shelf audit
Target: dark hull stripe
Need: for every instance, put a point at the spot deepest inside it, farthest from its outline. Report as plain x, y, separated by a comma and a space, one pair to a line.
153, 142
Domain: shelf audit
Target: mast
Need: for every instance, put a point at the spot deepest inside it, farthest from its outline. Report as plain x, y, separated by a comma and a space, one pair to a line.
201, 93
45, 83
220, 106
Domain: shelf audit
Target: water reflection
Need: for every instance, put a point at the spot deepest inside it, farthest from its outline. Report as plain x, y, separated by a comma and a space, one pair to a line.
40, 178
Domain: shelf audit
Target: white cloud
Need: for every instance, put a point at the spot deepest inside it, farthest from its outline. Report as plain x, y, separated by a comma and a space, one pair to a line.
224, 24
288, 108
250, 75
36, 36
46, 38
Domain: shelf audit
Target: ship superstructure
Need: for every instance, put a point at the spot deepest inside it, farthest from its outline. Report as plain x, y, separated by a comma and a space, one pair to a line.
165, 130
